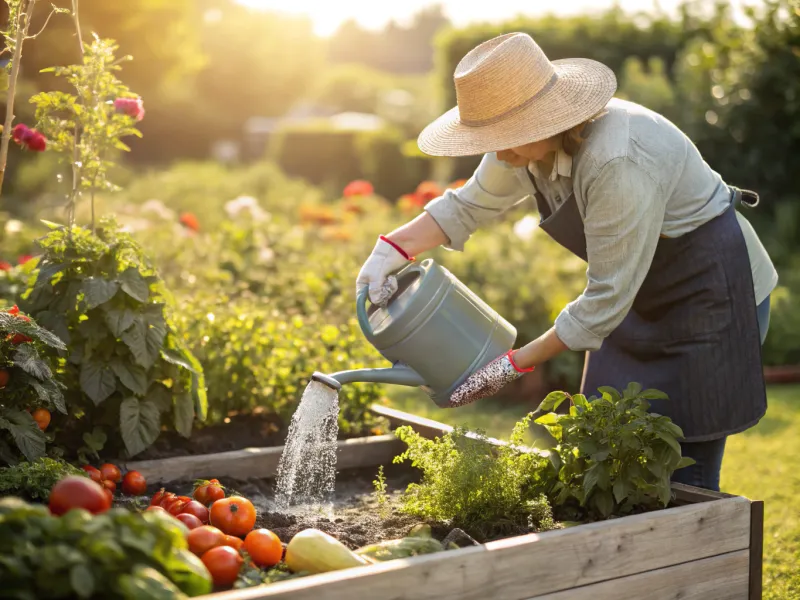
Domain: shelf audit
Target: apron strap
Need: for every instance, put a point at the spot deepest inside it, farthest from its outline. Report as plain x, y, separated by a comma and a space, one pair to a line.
746, 198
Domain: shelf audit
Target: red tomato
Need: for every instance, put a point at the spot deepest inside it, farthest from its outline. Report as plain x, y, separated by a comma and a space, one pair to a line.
134, 483
109, 494
234, 542
42, 417
111, 472
176, 507
110, 485
209, 492
203, 538
93, 473
264, 547
196, 509
189, 520
223, 562
4, 377
78, 492
234, 515
155, 509
157, 497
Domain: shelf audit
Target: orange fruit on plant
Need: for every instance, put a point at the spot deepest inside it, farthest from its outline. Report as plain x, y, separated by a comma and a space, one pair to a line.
204, 538
234, 515
223, 562
234, 542
264, 547
42, 417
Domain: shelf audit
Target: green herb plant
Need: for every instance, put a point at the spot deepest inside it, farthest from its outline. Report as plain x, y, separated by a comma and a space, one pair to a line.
612, 456
27, 382
127, 371
380, 494
486, 490
33, 480
115, 555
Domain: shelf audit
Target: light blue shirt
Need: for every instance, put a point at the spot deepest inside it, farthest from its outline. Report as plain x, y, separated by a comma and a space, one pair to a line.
635, 177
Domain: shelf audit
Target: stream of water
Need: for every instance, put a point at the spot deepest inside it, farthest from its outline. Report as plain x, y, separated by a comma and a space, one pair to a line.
307, 468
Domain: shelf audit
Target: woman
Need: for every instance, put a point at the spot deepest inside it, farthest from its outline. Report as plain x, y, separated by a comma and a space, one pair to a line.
678, 284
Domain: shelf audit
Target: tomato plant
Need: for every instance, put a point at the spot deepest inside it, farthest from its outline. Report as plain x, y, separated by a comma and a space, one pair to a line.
134, 483
196, 509
111, 472
223, 562
204, 538
234, 515
78, 492
264, 547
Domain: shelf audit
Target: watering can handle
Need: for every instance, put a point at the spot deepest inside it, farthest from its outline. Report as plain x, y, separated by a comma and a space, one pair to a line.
363, 294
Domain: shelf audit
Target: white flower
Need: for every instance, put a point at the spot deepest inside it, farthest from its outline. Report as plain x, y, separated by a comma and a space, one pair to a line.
134, 225
248, 204
265, 255
158, 207
525, 227
13, 226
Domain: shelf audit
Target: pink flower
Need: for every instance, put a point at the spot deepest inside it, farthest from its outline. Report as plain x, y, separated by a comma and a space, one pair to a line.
5, 266
37, 142
30, 138
133, 107
21, 133
359, 187
24, 258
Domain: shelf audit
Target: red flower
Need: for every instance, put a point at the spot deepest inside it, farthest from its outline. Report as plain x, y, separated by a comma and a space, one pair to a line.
133, 107
189, 221
24, 258
428, 190
19, 338
30, 138
14, 310
21, 133
37, 143
359, 187
4, 266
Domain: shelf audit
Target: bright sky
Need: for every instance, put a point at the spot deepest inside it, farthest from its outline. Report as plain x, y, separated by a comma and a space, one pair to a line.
327, 15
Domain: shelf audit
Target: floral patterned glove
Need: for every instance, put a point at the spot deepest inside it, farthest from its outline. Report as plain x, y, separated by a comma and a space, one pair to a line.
488, 380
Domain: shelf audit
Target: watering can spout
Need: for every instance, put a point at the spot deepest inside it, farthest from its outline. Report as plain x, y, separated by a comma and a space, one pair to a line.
397, 375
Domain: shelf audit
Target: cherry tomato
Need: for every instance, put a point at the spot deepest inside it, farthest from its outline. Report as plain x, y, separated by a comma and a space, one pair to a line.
111, 472
223, 562
4, 377
209, 492
234, 542
42, 418
264, 547
93, 473
189, 520
110, 485
203, 538
234, 515
134, 483
196, 509
78, 492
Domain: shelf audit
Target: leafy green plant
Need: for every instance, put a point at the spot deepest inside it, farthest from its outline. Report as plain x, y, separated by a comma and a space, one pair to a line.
127, 370
27, 382
33, 480
488, 491
117, 554
380, 494
612, 455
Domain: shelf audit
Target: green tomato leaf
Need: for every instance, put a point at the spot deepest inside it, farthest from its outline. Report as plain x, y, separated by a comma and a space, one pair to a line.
97, 381
134, 284
132, 376
140, 424
184, 414
98, 291
82, 580
26, 433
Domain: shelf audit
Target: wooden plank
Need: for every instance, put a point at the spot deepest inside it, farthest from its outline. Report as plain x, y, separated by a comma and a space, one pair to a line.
722, 577
263, 462
549, 562
756, 549
688, 494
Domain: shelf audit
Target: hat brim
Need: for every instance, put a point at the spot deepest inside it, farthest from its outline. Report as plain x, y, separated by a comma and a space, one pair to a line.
582, 89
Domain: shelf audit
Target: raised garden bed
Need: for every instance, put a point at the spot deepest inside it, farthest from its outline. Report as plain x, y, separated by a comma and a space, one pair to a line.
705, 546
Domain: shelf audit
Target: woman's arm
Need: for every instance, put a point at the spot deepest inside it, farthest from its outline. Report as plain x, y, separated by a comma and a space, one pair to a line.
420, 235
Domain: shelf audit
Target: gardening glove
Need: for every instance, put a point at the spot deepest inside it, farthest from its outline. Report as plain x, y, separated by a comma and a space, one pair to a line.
386, 258
488, 380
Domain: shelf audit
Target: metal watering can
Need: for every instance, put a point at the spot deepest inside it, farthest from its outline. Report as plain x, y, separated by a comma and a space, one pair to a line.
434, 331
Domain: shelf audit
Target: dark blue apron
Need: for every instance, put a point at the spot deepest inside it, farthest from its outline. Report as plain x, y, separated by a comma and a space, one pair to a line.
692, 331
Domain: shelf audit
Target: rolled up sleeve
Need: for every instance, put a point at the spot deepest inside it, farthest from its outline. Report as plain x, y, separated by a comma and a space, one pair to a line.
624, 216
491, 191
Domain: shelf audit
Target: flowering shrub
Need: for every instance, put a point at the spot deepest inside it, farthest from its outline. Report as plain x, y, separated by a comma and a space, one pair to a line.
27, 382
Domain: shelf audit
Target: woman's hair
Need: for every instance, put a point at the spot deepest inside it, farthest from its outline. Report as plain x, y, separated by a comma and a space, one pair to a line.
573, 138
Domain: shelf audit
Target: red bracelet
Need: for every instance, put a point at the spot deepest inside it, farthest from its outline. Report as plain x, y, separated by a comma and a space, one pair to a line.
513, 364
396, 247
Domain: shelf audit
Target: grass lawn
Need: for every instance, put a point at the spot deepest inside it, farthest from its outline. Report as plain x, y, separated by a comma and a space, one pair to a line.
762, 463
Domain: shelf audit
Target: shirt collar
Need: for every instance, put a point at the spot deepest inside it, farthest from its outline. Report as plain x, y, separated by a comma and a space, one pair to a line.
561, 166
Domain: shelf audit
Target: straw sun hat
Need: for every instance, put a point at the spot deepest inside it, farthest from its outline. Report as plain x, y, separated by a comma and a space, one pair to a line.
510, 94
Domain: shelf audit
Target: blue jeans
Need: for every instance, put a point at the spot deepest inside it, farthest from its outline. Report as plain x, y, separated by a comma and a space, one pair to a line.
708, 455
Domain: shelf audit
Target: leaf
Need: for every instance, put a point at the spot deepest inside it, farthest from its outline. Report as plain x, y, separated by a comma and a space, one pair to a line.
632, 390
685, 461
97, 381
547, 419
184, 414
664, 492
96, 440
552, 401
98, 291
655, 468
653, 395
27, 358
82, 581
555, 460
119, 320
134, 284
676, 447
47, 271
604, 502
200, 396
580, 400
136, 340
145, 583
26, 433
140, 424
176, 358
620, 490
613, 393
596, 476
600, 456
133, 377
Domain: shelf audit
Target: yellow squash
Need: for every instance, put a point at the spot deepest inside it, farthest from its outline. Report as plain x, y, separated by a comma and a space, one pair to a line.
314, 551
